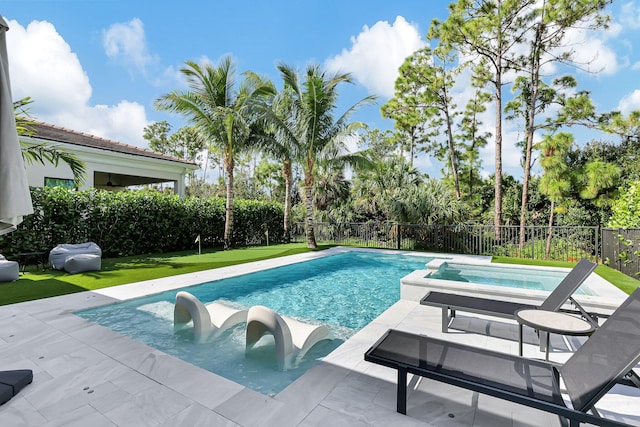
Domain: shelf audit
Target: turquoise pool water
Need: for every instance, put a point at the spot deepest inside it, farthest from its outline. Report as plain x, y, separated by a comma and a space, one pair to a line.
513, 277
345, 292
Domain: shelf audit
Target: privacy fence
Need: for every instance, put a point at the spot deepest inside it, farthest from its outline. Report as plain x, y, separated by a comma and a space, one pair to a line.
618, 248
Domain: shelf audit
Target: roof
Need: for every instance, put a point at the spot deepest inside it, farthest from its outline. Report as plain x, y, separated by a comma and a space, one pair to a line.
54, 133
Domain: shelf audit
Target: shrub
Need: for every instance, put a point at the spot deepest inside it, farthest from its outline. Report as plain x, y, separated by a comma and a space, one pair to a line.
140, 222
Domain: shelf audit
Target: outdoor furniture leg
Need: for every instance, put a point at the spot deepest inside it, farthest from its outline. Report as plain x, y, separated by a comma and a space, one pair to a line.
401, 399
547, 349
520, 338
445, 320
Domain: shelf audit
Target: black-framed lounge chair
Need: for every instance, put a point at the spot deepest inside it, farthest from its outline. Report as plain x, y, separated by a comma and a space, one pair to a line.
605, 359
450, 302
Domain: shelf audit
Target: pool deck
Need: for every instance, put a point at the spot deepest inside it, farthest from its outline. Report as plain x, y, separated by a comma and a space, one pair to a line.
88, 375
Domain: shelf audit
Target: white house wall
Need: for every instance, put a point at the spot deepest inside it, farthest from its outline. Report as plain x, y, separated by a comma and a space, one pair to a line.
104, 161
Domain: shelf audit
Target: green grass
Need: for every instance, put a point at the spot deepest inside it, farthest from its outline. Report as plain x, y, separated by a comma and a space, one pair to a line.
622, 281
118, 271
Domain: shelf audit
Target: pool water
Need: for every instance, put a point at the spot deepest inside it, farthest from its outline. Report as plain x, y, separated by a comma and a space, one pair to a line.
345, 292
512, 277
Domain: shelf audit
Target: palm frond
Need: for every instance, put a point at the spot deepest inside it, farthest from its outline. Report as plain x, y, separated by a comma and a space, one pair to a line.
46, 153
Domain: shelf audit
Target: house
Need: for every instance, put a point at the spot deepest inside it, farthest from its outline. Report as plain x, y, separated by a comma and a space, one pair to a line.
110, 165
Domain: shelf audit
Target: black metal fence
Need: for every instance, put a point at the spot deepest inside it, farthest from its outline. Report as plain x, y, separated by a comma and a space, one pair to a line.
566, 244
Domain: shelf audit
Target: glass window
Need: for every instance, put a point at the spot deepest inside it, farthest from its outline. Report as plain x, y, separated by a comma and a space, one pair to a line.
59, 182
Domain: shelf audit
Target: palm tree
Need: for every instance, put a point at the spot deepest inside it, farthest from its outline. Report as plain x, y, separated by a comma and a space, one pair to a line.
279, 139
221, 112
318, 137
376, 187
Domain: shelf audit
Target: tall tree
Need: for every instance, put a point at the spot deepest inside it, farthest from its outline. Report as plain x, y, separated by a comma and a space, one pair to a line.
472, 138
319, 136
557, 180
408, 108
549, 22
281, 139
441, 110
423, 105
487, 33
221, 111
157, 135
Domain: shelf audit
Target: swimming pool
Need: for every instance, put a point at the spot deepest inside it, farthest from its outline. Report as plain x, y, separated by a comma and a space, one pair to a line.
343, 291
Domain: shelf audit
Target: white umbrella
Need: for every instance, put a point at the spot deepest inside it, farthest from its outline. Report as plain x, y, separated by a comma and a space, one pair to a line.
15, 199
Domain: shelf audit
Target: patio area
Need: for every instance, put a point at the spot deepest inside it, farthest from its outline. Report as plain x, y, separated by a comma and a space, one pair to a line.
85, 374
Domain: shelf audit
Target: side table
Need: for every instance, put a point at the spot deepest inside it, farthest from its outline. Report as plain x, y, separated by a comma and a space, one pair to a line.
552, 322
37, 258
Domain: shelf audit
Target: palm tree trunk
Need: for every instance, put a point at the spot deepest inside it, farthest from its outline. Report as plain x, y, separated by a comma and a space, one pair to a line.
288, 178
228, 220
308, 187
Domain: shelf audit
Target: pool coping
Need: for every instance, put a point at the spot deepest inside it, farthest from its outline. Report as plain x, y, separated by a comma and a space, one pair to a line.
89, 375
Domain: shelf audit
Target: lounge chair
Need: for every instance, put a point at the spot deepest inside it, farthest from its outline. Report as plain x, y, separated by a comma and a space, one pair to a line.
605, 359
209, 320
292, 338
450, 303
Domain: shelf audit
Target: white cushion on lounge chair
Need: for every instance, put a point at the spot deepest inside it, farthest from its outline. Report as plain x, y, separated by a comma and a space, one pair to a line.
292, 338
208, 320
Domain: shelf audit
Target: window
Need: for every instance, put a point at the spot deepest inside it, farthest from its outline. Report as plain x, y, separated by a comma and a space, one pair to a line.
59, 182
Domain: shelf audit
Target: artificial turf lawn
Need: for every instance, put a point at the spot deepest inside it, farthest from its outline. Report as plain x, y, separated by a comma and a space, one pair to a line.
117, 271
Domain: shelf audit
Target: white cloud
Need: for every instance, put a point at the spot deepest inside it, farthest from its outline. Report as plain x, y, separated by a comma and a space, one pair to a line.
43, 67
630, 15
377, 53
630, 102
591, 50
127, 43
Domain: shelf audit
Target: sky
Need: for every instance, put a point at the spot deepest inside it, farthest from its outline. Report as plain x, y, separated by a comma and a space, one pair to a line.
97, 66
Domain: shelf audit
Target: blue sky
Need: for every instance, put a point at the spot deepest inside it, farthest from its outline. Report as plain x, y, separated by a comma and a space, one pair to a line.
98, 65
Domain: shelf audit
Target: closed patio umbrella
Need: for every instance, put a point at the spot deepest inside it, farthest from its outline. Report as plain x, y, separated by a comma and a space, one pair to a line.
15, 199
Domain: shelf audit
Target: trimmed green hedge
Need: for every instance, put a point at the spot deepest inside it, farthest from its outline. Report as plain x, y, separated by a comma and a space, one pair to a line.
138, 222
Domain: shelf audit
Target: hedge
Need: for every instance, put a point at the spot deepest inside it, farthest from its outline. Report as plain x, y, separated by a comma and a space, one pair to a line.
138, 222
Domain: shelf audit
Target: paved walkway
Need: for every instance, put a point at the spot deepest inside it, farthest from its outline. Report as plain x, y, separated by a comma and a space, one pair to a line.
88, 375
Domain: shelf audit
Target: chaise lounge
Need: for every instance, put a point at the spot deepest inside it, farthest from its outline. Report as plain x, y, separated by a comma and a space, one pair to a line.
209, 320
604, 360
293, 338
450, 303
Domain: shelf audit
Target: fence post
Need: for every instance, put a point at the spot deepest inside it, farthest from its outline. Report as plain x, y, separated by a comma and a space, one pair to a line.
532, 238
598, 249
398, 231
